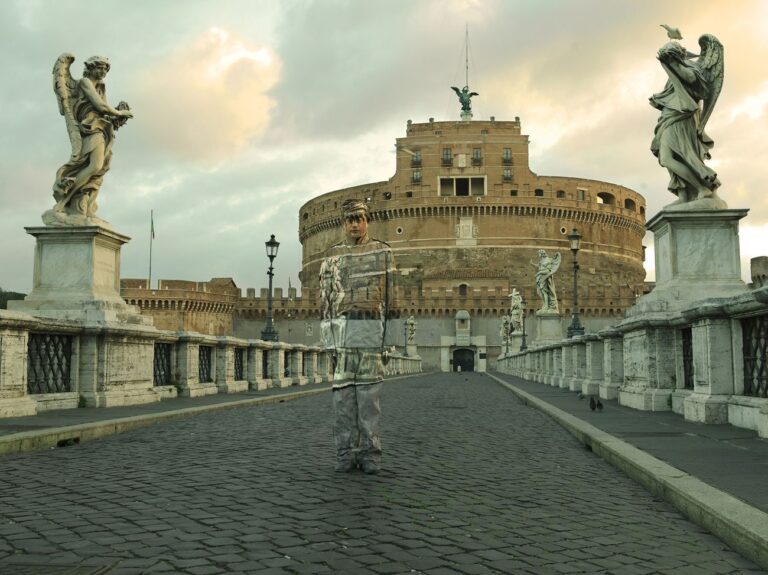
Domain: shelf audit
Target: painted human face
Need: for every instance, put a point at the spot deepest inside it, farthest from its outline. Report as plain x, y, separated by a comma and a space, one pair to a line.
356, 227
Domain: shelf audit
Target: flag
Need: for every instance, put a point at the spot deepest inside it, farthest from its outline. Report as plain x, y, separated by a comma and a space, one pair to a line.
152, 223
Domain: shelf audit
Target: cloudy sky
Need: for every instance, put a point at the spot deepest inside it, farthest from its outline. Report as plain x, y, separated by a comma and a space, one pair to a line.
246, 109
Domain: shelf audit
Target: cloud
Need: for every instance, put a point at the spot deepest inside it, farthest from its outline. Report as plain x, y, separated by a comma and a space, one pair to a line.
210, 98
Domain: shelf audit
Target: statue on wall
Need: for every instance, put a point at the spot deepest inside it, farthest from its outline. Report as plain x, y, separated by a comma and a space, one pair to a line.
411, 329
465, 97
545, 283
516, 311
91, 124
686, 103
504, 329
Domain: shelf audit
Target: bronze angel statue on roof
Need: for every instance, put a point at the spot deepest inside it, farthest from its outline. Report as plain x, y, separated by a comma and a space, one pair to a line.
91, 123
686, 103
465, 97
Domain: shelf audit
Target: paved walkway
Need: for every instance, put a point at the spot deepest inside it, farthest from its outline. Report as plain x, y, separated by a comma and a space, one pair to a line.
474, 482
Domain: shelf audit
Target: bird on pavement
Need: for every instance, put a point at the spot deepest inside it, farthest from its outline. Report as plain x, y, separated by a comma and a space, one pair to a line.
672, 33
592, 404
580, 396
599, 406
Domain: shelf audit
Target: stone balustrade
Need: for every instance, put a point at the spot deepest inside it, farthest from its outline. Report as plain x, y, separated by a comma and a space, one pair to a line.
707, 362
53, 364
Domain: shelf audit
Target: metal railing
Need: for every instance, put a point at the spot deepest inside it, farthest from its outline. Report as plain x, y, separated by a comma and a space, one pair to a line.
49, 363
687, 336
162, 364
204, 368
239, 364
755, 344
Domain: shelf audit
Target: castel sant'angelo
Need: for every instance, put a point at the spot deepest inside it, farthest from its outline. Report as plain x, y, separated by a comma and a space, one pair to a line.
466, 217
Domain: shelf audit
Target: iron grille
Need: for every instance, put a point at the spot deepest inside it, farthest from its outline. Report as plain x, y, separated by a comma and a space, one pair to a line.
49, 363
204, 370
687, 334
162, 364
755, 333
265, 373
239, 364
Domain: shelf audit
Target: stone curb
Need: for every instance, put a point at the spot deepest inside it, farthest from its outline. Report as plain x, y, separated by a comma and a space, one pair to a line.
41, 439
735, 522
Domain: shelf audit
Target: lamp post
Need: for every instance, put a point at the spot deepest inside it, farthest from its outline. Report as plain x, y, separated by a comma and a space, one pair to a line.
405, 338
574, 238
269, 333
523, 346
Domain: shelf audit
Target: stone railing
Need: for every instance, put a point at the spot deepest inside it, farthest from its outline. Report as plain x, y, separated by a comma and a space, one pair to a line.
708, 362
49, 364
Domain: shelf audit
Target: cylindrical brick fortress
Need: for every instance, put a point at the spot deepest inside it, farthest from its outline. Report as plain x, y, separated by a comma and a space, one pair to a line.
466, 216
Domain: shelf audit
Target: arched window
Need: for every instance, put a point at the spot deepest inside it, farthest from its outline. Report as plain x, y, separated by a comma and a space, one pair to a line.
606, 198
463, 290
629, 204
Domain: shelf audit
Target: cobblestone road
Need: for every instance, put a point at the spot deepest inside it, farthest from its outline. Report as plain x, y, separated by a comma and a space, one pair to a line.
473, 482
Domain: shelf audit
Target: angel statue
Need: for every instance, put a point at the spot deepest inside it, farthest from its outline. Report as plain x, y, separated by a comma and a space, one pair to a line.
545, 283
91, 124
465, 97
679, 140
516, 310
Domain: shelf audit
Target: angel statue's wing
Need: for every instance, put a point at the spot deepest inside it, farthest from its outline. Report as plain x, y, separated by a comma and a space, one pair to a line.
712, 64
555, 263
64, 87
473, 94
455, 89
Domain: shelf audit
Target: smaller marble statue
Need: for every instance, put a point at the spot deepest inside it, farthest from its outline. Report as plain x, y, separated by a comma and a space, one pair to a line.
686, 103
91, 124
465, 97
516, 311
411, 329
545, 282
504, 329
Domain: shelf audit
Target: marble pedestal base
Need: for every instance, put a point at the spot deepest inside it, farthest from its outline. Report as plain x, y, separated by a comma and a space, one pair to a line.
696, 257
77, 277
549, 328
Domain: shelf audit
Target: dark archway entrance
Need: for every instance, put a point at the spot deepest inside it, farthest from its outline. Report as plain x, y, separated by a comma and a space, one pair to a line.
464, 358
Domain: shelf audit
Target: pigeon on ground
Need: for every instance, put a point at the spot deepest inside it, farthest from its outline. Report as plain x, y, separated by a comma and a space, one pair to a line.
673, 33
592, 404
580, 396
599, 406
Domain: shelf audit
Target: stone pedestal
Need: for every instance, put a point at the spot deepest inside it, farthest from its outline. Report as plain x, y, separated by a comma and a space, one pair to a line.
697, 258
77, 277
549, 328
413, 350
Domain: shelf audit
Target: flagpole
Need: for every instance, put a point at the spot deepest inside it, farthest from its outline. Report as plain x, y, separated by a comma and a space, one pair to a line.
151, 237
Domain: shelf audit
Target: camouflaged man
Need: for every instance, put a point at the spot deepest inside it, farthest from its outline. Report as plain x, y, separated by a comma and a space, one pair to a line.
356, 299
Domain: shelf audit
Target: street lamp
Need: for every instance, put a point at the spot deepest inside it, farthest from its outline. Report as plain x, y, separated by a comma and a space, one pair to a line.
405, 338
574, 238
523, 346
269, 333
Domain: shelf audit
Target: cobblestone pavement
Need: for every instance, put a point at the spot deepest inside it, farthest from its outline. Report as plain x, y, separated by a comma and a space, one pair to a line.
473, 482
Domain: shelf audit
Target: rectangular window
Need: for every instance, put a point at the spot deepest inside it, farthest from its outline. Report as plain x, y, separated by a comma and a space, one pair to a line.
416, 159
506, 156
582, 194
477, 157
462, 186
446, 186
447, 157
416, 176
507, 174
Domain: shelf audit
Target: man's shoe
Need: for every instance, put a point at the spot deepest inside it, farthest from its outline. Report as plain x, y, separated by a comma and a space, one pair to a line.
345, 465
370, 467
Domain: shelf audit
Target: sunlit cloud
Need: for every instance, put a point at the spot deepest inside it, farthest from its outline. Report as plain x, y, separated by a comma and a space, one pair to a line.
209, 99
753, 106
